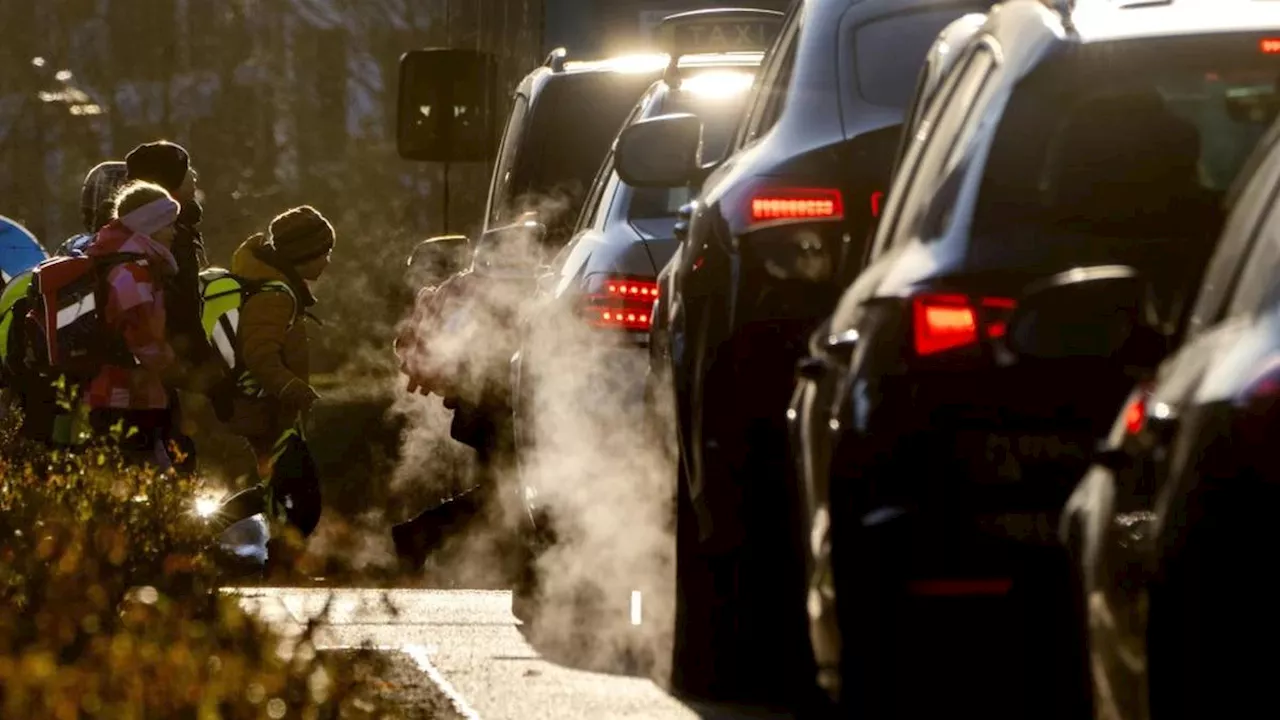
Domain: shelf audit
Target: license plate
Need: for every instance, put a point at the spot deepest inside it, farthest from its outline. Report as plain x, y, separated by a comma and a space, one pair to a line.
1007, 457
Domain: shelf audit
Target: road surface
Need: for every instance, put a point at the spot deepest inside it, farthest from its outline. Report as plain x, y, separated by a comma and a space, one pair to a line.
468, 644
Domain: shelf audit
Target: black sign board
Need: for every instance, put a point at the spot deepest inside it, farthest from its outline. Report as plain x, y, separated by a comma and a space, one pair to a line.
717, 31
447, 105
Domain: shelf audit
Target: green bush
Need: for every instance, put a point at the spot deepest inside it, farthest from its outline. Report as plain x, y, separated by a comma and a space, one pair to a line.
109, 606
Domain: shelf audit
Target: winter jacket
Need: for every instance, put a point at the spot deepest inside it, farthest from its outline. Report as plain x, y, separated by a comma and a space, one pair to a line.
200, 369
272, 340
136, 310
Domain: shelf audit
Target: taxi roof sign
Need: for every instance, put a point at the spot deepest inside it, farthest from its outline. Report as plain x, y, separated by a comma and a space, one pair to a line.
719, 31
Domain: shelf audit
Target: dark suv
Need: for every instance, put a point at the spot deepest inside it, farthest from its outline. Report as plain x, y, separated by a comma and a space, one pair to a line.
1048, 223
1178, 511
776, 230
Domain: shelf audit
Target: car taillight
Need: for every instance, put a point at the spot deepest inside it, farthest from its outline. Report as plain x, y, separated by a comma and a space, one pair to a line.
944, 322
1134, 414
621, 303
877, 201
769, 205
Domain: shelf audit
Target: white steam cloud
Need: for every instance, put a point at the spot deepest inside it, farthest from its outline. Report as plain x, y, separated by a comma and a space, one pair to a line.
597, 459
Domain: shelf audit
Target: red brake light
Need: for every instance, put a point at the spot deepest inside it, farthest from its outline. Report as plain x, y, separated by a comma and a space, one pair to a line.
774, 204
1135, 414
622, 303
1269, 46
877, 201
950, 322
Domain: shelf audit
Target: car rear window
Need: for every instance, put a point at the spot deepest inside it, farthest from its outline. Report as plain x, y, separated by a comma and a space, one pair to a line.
1123, 152
1149, 150
719, 117
888, 52
572, 123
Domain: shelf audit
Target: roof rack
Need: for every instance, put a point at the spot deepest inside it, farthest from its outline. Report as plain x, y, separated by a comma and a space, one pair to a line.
715, 30
1064, 8
555, 59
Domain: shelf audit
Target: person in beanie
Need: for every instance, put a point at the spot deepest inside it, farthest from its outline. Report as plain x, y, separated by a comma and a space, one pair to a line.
168, 165
272, 340
132, 399
97, 203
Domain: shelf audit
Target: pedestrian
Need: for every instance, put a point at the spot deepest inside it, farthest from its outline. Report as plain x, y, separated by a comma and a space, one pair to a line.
273, 400
428, 350
168, 165
97, 203
46, 419
132, 401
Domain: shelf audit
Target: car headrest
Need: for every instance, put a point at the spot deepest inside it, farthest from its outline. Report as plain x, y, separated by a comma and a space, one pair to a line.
1120, 156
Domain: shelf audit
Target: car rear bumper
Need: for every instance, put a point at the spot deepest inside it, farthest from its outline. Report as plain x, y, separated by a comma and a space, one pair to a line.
915, 519
924, 598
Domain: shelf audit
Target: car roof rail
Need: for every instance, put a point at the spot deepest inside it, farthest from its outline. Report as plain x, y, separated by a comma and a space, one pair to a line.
555, 59
757, 26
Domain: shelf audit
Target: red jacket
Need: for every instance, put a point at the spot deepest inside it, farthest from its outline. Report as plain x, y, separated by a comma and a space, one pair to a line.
135, 309
420, 343
456, 343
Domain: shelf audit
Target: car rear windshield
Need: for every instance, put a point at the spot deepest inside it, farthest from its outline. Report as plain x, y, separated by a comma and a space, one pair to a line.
719, 117
571, 126
1126, 139
888, 52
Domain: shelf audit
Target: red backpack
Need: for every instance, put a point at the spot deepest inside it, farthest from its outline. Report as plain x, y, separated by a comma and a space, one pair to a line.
67, 321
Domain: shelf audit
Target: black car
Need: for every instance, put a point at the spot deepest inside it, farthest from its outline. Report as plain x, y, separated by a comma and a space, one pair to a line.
605, 279
1042, 235
562, 122
1175, 517
776, 231
578, 379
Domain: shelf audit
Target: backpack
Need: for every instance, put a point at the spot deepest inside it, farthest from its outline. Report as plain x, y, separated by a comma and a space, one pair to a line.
14, 306
66, 325
223, 294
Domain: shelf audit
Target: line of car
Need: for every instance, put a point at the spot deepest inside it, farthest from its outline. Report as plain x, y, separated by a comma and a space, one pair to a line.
952, 258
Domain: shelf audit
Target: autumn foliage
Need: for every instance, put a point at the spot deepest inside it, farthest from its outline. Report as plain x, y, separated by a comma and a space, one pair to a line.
109, 605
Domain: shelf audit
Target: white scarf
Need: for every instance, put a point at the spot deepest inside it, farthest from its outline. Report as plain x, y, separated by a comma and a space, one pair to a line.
152, 217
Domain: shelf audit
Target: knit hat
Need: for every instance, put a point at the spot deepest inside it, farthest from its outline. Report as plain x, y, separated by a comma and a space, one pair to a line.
97, 196
300, 235
163, 163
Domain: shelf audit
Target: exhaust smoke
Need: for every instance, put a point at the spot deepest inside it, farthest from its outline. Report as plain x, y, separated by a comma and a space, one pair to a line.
595, 478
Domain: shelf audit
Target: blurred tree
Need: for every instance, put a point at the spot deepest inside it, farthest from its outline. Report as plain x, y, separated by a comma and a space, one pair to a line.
279, 101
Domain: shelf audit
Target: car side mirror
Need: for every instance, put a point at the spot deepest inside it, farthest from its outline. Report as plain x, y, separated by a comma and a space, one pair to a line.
660, 152
435, 259
1093, 312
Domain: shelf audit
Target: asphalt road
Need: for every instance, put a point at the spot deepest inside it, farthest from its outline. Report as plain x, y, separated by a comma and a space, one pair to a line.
468, 644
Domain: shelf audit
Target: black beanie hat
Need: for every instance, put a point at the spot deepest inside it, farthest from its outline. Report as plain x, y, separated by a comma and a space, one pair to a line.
97, 196
163, 163
301, 235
